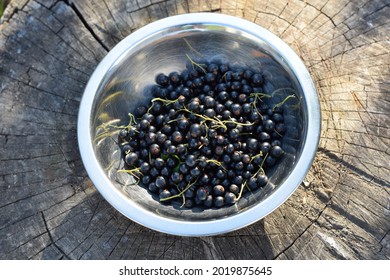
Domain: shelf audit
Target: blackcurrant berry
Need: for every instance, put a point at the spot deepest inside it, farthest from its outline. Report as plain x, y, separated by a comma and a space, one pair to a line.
162, 80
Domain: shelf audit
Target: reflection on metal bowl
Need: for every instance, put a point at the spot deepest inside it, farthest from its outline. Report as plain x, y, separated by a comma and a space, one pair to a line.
122, 82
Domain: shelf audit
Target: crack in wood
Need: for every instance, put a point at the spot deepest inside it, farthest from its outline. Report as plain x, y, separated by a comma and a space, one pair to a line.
119, 240
51, 238
8, 15
381, 240
85, 23
301, 234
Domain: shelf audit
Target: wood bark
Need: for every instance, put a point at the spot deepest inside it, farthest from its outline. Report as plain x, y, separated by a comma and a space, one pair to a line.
49, 209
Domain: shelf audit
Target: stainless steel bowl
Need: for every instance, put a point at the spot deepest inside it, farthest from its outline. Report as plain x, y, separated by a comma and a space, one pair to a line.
121, 82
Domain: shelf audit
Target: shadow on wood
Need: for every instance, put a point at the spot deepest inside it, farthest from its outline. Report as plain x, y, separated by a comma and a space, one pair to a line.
94, 230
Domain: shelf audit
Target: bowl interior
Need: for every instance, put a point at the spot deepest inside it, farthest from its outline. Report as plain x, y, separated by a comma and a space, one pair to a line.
127, 85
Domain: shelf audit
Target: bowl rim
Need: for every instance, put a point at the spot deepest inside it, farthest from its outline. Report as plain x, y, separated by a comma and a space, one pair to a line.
222, 225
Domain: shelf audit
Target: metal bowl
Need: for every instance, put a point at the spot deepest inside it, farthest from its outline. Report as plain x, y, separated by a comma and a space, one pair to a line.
122, 80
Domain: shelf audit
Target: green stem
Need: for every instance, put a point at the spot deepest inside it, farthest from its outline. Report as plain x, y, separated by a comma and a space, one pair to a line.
297, 106
275, 92
132, 172
179, 194
196, 64
218, 124
192, 48
284, 101
104, 135
258, 155
165, 101
241, 190
261, 167
237, 123
216, 162
260, 95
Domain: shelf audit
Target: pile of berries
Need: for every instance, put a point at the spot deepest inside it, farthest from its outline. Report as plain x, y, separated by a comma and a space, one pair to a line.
208, 135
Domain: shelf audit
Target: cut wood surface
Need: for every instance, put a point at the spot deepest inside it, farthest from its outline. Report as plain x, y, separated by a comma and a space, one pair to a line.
49, 208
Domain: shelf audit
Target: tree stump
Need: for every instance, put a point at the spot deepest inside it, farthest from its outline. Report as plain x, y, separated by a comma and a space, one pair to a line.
49, 209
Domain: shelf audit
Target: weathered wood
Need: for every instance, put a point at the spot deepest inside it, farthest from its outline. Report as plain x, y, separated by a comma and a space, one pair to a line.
49, 209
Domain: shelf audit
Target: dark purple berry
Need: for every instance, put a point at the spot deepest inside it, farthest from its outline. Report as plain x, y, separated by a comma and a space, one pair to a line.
238, 180
230, 198
177, 137
162, 80
154, 150
262, 180
195, 130
189, 203
233, 188
160, 182
194, 105
219, 201
257, 79
208, 202
265, 147
175, 78
131, 158
268, 125
210, 113
252, 183
218, 190
145, 180
236, 109
191, 160
252, 144
152, 187
164, 194
276, 151
159, 163
201, 193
